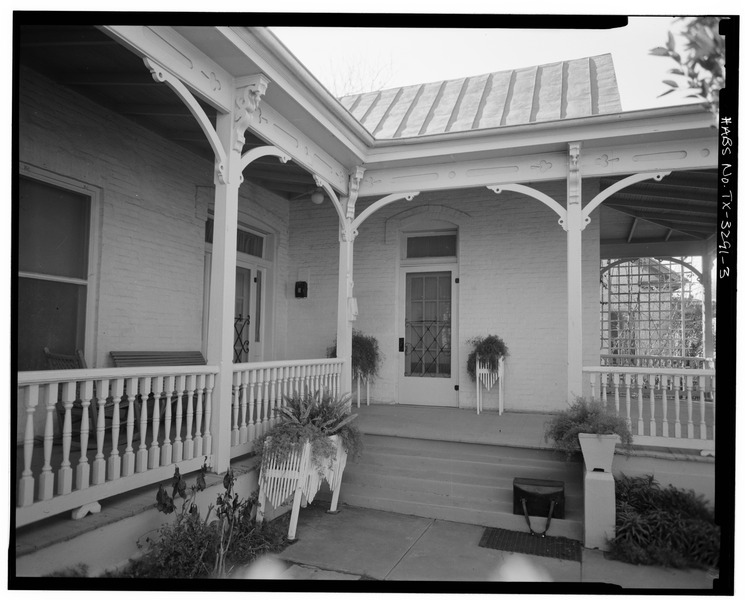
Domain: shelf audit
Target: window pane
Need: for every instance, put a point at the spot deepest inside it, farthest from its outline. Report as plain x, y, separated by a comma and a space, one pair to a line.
50, 314
430, 246
52, 230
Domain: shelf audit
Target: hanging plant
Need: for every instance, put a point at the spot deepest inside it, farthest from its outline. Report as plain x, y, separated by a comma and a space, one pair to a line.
490, 349
365, 355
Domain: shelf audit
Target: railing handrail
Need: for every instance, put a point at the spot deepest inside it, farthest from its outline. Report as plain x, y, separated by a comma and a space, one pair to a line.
651, 371
49, 376
649, 356
277, 364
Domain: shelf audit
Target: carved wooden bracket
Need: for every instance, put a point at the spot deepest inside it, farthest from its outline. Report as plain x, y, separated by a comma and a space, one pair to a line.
355, 179
246, 102
574, 178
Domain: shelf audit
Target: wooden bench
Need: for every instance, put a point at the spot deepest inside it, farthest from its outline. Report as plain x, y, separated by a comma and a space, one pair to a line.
150, 358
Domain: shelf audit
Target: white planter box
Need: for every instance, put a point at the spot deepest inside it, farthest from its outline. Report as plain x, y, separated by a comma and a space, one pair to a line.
300, 477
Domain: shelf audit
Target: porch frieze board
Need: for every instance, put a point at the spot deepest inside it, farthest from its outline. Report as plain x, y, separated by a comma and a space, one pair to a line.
272, 127
464, 174
647, 158
597, 161
196, 70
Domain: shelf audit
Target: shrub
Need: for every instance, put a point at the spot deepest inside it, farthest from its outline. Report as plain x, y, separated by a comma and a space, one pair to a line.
195, 547
489, 348
663, 526
585, 416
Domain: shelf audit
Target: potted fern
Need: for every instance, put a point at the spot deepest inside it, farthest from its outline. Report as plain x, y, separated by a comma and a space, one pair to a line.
310, 444
489, 349
589, 427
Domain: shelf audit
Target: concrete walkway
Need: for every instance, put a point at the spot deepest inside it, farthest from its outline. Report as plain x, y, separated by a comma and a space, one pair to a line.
365, 544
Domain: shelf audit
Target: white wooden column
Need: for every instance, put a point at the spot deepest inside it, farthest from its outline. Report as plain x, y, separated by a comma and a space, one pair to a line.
222, 296
346, 302
344, 316
574, 226
228, 178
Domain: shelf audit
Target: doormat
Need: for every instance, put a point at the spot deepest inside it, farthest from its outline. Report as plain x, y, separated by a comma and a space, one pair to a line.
523, 542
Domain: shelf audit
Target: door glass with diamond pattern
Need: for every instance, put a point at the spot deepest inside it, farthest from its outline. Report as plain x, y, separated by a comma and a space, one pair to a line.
428, 324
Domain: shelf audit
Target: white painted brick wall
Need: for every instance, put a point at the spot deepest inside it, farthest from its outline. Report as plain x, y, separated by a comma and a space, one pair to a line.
513, 283
155, 198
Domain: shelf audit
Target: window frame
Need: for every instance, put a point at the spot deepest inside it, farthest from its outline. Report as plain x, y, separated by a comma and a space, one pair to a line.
91, 283
436, 260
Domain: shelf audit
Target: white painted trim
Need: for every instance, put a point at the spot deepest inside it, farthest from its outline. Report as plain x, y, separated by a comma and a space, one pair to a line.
206, 77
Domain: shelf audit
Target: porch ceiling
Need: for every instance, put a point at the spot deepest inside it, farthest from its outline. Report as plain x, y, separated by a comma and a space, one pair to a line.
92, 64
680, 208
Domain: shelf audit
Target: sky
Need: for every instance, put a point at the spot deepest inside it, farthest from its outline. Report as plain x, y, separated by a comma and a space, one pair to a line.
398, 57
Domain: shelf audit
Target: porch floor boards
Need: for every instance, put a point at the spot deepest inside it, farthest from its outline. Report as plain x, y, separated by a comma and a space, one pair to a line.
512, 429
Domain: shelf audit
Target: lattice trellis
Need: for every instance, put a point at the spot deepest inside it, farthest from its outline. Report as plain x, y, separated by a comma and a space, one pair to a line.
647, 309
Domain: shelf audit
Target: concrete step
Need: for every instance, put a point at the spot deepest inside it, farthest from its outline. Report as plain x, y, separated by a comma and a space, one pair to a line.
463, 485
438, 507
468, 483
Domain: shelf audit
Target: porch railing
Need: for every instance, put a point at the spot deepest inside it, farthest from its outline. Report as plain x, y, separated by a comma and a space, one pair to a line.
664, 406
260, 388
147, 419
649, 361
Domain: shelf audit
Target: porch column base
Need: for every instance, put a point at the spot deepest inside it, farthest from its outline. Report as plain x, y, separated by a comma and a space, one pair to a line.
600, 509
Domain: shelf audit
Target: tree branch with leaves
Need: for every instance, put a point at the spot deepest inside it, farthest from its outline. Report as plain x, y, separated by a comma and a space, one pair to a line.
701, 61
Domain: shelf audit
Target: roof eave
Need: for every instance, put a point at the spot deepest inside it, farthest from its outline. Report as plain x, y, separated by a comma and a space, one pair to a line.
319, 93
698, 111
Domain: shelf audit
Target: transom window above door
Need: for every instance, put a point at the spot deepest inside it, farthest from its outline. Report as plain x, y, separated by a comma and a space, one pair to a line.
248, 242
430, 245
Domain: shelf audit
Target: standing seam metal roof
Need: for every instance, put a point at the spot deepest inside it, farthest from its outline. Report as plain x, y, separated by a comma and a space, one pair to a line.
550, 92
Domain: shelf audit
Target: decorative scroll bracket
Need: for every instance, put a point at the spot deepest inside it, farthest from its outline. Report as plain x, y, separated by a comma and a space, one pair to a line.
162, 75
619, 185
540, 196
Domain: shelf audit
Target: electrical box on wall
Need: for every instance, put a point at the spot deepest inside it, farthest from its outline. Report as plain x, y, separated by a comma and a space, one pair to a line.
301, 289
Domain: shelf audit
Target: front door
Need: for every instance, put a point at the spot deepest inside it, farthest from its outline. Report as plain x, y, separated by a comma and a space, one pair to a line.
428, 371
248, 314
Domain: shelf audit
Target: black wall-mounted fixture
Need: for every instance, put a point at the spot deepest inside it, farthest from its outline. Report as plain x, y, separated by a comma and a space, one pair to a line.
301, 289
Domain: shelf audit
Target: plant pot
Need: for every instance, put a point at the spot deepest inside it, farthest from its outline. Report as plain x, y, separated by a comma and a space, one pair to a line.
598, 450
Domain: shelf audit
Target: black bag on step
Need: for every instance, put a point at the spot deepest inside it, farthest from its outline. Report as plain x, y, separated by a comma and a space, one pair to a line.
538, 498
